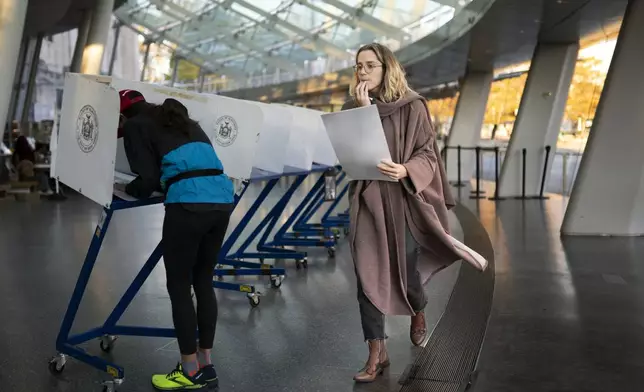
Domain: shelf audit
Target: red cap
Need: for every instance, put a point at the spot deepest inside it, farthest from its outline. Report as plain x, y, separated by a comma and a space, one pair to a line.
130, 97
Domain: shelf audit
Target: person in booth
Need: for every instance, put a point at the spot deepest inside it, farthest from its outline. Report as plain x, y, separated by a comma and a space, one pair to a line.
399, 232
170, 152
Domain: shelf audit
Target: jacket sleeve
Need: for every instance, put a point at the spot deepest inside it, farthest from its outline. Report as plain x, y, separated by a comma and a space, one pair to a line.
422, 164
143, 162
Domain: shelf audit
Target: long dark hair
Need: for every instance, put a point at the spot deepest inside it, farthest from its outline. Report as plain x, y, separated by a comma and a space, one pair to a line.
171, 114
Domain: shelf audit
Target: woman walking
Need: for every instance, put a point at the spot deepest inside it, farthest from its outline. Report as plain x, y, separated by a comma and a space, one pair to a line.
399, 233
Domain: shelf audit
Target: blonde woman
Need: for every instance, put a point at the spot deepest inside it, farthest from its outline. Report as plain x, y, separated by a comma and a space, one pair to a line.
399, 229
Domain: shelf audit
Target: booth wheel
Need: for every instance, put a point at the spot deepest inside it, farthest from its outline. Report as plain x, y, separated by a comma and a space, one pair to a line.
110, 386
301, 264
331, 251
57, 364
253, 299
107, 343
276, 281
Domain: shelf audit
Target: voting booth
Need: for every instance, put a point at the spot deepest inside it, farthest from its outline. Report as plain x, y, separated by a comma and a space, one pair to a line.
87, 157
88, 153
256, 142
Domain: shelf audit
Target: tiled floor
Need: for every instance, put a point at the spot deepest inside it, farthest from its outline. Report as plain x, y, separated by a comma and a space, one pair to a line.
304, 336
568, 314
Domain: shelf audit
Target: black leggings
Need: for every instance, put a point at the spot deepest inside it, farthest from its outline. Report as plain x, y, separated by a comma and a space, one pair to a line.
191, 243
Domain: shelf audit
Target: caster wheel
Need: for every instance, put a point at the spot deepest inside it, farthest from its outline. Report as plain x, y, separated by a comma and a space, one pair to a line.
331, 251
276, 282
305, 263
110, 386
254, 300
107, 343
57, 364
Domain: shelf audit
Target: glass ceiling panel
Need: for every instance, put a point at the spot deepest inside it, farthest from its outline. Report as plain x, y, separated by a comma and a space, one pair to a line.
269, 35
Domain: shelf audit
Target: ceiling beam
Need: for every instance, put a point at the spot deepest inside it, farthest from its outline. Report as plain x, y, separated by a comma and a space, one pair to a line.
317, 42
369, 22
235, 42
184, 50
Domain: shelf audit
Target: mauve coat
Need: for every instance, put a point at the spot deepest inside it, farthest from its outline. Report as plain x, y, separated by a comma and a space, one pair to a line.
379, 210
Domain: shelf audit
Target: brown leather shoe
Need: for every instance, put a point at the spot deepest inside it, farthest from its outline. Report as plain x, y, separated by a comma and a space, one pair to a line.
376, 364
418, 329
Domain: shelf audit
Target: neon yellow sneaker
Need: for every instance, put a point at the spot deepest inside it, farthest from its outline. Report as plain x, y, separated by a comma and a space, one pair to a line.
177, 380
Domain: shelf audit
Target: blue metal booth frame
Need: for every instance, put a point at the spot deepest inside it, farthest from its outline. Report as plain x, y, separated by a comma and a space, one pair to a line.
297, 231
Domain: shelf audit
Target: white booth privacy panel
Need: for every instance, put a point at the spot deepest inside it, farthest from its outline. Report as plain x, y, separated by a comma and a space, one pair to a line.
301, 146
87, 134
232, 125
324, 152
274, 138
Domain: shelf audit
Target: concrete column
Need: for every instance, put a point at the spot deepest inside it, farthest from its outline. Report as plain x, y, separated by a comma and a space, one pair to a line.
468, 121
12, 22
31, 84
97, 37
202, 79
539, 120
608, 194
145, 60
81, 41
17, 85
175, 69
115, 46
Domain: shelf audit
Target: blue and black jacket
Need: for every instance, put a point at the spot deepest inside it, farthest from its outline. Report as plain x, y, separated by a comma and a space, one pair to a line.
180, 163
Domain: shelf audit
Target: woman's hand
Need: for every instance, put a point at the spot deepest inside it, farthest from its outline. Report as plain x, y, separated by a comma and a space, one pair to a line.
362, 94
393, 170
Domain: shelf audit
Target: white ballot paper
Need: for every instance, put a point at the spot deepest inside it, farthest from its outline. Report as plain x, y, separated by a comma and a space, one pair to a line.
359, 142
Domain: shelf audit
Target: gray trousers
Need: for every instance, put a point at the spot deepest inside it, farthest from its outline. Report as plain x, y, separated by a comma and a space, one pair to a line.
373, 321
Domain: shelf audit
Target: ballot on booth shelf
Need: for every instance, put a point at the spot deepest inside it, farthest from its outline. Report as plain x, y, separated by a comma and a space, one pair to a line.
90, 159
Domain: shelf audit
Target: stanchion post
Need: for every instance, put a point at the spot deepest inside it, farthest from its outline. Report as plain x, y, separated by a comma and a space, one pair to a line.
477, 194
524, 152
564, 174
497, 154
458, 165
496, 172
543, 175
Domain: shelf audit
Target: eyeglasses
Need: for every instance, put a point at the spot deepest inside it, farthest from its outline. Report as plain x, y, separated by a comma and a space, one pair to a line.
369, 67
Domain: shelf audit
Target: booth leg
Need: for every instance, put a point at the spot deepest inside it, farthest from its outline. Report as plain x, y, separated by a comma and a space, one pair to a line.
83, 278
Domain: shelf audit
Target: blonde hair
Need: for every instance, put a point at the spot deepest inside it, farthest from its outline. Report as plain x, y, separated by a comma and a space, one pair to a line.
394, 83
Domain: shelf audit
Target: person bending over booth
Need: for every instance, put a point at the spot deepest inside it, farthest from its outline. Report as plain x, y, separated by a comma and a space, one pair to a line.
171, 153
399, 231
